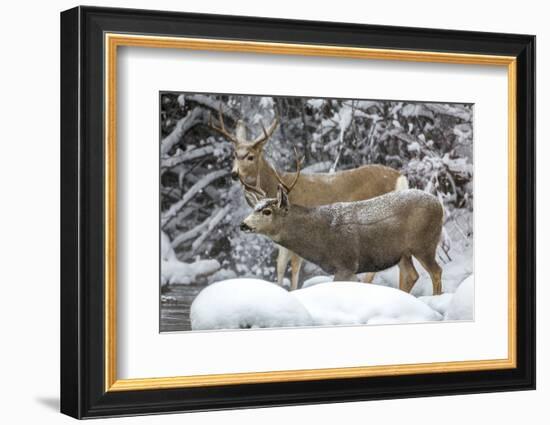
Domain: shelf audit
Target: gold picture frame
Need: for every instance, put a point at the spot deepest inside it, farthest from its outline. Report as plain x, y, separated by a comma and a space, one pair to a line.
91, 40
114, 41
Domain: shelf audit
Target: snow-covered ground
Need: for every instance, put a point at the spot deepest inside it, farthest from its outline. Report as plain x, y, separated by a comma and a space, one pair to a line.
461, 306
454, 272
255, 303
246, 303
352, 303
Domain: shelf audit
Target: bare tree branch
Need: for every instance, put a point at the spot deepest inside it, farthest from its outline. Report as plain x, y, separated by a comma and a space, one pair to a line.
181, 215
196, 116
452, 110
205, 225
196, 188
213, 222
212, 192
211, 103
173, 161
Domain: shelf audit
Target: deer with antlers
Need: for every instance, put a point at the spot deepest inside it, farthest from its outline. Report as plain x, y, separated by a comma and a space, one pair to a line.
347, 238
251, 167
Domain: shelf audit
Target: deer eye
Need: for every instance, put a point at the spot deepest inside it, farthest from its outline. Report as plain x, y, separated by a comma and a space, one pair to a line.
266, 212
250, 157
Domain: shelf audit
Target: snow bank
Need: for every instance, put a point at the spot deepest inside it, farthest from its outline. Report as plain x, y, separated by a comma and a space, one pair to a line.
246, 303
254, 303
173, 271
177, 272
439, 303
352, 303
461, 306
222, 274
316, 280
454, 272
167, 253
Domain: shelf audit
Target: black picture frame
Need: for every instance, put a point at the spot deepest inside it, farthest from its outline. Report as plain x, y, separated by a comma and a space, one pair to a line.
83, 392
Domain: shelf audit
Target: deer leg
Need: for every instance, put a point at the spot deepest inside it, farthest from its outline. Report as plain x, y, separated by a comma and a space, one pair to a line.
407, 274
434, 270
369, 277
282, 262
345, 276
295, 265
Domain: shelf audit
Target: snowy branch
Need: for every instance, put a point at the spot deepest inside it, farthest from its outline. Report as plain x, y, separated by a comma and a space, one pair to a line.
173, 161
196, 188
213, 222
177, 272
211, 103
453, 111
195, 231
196, 116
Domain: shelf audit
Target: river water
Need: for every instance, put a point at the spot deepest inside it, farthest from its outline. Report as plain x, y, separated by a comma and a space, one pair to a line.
174, 314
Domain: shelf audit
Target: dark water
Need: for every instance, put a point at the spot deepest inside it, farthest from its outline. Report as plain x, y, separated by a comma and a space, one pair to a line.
174, 314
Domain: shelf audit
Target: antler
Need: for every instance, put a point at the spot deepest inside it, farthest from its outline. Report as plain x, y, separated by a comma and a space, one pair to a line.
288, 189
266, 133
256, 192
222, 129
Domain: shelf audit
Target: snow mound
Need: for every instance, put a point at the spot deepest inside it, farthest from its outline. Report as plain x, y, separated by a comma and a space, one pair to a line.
316, 280
167, 253
246, 303
461, 306
286, 283
454, 272
352, 303
439, 303
177, 272
222, 274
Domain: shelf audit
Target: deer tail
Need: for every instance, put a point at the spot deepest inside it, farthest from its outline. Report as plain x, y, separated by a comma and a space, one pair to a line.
401, 183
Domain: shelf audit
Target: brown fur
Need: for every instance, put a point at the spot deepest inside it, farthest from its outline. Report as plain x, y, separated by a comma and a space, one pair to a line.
361, 183
345, 239
249, 165
315, 189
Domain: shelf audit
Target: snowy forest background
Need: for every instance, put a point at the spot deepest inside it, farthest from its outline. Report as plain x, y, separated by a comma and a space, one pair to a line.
201, 207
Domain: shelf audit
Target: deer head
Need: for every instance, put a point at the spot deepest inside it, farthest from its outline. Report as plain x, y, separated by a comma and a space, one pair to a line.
248, 153
269, 214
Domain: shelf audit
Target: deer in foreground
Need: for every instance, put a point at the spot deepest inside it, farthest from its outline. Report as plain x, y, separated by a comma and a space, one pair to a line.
354, 237
252, 168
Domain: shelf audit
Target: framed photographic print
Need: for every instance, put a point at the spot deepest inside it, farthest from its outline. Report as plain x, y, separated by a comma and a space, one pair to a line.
261, 212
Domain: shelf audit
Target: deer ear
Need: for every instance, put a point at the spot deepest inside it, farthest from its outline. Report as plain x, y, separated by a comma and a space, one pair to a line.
282, 198
240, 132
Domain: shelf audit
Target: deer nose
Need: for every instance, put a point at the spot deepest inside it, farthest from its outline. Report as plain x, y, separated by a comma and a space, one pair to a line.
245, 227
234, 175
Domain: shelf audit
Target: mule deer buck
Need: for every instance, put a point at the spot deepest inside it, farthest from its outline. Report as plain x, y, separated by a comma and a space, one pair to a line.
354, 237
251, 167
